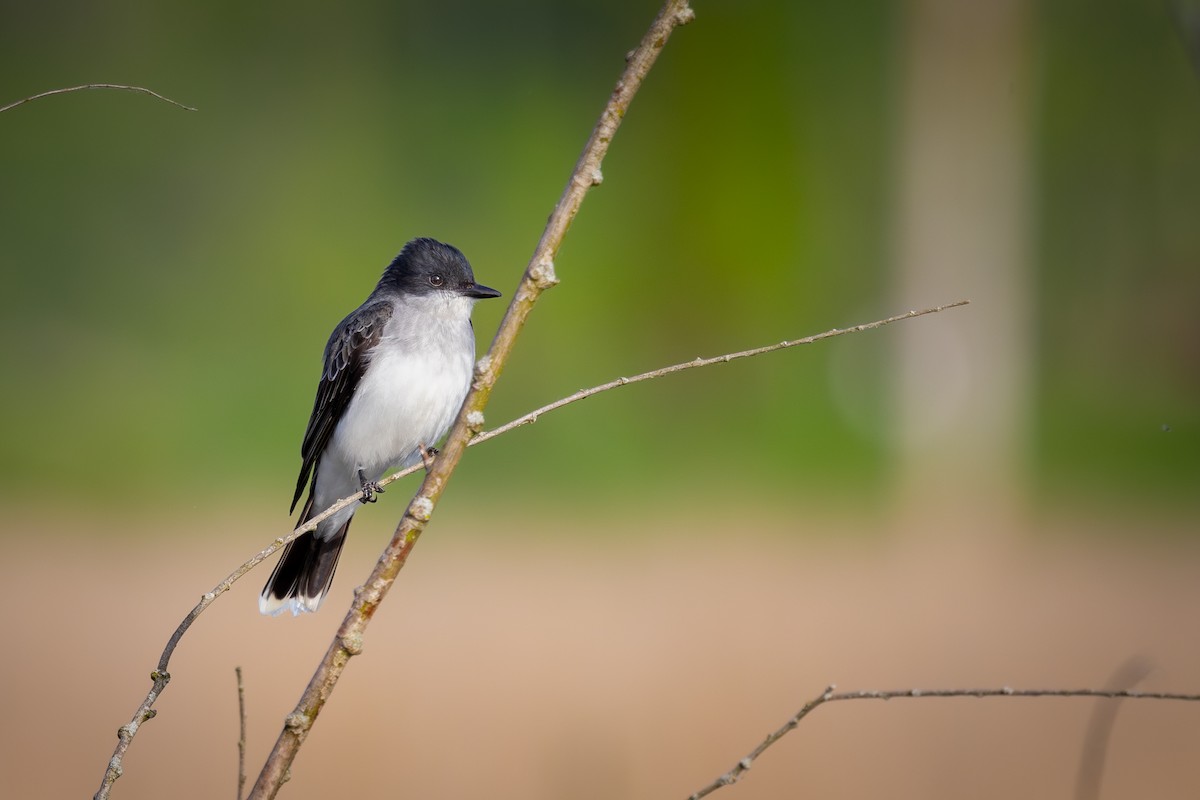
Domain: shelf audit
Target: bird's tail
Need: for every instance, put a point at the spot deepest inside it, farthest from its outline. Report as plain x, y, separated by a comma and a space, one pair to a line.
304, 572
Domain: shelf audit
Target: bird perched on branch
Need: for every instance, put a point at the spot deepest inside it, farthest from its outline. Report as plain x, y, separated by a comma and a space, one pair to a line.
397, 370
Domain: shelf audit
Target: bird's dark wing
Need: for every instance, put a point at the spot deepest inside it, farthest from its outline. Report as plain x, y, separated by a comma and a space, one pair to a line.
345, 362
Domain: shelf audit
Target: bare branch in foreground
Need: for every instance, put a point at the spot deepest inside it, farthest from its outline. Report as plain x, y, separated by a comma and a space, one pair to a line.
241, 735
52, 92
539, 275
161, 676
829, 696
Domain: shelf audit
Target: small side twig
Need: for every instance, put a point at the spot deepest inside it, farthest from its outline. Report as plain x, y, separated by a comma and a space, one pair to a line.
160, 677
829, 696
52, 92
158, 682
241, 735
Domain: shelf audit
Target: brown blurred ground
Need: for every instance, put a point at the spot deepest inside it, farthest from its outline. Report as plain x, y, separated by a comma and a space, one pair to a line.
632, 664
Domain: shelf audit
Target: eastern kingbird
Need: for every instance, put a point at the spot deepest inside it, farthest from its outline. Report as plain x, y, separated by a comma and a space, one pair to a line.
396, 372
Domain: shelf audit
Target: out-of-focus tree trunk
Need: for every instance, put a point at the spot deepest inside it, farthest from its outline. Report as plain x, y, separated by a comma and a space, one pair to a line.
962, 225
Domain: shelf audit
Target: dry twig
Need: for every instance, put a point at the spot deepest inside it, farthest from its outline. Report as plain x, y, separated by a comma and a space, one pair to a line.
241, 735
160, 677
52, 92
829, 696
583, 394
539, 276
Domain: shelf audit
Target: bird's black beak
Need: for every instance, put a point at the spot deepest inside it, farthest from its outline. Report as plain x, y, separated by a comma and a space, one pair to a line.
479, 291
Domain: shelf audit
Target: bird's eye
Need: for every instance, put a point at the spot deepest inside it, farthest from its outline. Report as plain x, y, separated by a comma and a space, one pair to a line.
435, 280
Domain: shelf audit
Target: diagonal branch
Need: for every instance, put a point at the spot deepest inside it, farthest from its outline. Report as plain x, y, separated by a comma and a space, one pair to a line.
539, 276
160, 677
829, 696
52, 92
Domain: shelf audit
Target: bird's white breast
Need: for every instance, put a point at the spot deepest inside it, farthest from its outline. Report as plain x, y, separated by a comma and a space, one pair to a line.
416, 379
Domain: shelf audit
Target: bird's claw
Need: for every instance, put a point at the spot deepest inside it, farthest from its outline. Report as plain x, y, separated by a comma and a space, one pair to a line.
427, 454
369, 491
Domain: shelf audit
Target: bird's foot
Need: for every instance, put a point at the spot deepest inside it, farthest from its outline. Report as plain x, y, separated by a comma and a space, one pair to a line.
370, 492
369, 489
427, 454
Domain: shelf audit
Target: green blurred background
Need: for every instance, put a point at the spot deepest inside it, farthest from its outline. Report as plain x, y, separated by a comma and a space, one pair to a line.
1001, 494
169, 278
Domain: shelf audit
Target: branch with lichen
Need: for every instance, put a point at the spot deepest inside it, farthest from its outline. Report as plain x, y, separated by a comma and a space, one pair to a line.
539, 276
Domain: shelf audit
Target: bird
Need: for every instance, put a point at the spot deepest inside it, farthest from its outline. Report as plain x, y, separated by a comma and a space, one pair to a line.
396, 371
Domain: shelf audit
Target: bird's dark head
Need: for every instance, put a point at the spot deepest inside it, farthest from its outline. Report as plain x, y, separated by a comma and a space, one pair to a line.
427, 267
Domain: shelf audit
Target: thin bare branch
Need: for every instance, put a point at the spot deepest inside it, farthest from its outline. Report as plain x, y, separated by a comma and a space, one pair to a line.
583, 394
127, 731
161, 676
539, 276
241, 735
830, 696
52, 92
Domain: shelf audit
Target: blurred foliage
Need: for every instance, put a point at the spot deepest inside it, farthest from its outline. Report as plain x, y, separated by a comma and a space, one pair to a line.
169, 278
1119, 258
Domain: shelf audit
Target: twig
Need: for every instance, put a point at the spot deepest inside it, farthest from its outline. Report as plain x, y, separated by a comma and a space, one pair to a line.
583, 394
161, 676
539, 276
241, 735
141, 89
537, 271
126, 732
829, 696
